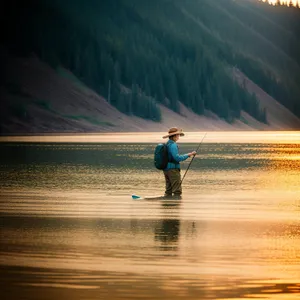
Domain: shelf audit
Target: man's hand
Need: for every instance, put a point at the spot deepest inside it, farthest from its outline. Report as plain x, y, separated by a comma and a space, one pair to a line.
192, 153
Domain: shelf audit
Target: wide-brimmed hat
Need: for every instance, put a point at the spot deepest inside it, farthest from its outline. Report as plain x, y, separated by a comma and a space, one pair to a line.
174, 131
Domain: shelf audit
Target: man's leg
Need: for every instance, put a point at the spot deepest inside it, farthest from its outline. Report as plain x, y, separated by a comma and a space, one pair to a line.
168, 192
175, 179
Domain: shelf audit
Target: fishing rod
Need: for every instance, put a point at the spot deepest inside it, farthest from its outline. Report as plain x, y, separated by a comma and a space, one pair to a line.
193, 158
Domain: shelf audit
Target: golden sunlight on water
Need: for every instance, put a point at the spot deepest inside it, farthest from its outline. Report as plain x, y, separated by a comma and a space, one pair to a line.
69, 226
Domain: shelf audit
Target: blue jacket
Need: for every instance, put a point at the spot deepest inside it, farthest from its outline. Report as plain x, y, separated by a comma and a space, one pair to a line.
174, 157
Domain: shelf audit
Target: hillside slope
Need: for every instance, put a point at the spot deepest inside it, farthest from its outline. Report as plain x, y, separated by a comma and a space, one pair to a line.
279, 117
58, 102
225, 65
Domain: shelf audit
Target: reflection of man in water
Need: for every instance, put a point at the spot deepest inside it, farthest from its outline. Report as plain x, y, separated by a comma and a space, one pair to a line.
168, 229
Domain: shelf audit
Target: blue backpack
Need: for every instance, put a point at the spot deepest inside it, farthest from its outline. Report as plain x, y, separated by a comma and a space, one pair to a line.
161, 158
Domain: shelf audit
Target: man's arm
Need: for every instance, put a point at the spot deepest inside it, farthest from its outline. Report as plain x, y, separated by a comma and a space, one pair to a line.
174, 152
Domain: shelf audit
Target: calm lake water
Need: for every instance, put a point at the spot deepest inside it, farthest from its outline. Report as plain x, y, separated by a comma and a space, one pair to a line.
69, 228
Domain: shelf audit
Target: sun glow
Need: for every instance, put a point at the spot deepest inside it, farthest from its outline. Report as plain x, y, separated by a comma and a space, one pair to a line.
284, 2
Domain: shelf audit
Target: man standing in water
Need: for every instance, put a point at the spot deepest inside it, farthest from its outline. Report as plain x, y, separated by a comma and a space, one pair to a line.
172, 171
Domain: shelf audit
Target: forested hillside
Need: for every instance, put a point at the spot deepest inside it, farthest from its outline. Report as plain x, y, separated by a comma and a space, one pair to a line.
138, 54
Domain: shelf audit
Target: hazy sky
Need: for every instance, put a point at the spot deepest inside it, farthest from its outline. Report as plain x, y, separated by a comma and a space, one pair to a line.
283, 1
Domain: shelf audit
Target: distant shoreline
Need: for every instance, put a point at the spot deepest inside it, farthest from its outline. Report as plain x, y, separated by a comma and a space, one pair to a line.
290, 137
134, 132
